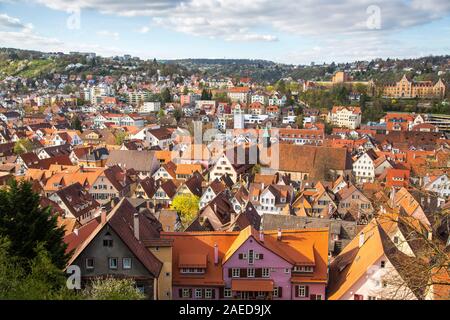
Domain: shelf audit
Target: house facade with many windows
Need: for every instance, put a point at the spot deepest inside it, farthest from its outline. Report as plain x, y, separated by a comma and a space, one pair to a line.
250, 264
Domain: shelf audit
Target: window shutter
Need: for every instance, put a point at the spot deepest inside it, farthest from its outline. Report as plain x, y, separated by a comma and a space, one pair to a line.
258, 273
221, 293
261, 256
306, 291
280, 292
296, 291
241, 256
180, 293
244, 273
213, 294
203, 293
230, 272
190, 293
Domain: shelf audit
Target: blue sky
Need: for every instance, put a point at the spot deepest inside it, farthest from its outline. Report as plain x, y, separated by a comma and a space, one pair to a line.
284, 31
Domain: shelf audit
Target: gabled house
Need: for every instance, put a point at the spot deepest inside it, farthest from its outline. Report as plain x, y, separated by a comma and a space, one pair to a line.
115, 247
145, 188
214, 188
315, 201
370, 268
439, 184
165, 172
76, 203
274, 198
364, 167
161, 137
288, 265
354, 205
110, 183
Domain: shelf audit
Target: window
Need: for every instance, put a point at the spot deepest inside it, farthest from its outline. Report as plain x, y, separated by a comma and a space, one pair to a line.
186, 293
287, 270
396, 240
107, 242
275, 292
301, 291
358, 297
227, 293
303, 269
140, 288
235, 273
208, 293
251, 257
112, 263
383, 264
192, 270
250, 272
198, 293
371, 298
126, 263
265, 272
90, 263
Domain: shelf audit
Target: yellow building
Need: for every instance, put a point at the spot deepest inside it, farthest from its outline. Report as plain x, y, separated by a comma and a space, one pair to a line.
406, 88
340, 77
162, 249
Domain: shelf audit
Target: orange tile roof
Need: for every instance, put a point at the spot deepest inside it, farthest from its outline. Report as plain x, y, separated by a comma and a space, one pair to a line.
353, 262
188, 168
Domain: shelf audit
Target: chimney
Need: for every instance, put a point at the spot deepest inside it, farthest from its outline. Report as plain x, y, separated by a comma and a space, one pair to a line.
216, 254
261, 234
75, 231
103, 216
361, 239
279, 234
136, 225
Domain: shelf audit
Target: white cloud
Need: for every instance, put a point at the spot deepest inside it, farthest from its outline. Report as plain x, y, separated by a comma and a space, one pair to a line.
302, 17
143, 29
337, 28
251, 37
108, 34
8, 22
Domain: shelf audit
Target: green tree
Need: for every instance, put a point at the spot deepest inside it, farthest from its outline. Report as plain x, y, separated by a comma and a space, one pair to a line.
299, 121
76, 124
161, 113
185, 90
177, 114
256, 169
113, 289
166, 96
68, 89
23, 145
206, 95
187, 207
120, 137
27, 224
36, 279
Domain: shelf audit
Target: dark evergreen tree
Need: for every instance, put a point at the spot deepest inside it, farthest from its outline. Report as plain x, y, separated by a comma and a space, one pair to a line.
166, 96
26, 224
76, 124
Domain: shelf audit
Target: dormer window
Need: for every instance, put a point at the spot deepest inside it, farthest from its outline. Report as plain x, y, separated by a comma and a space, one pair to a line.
305, 269
192, 270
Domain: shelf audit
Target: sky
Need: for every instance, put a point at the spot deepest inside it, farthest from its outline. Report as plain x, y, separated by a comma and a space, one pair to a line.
286, 31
